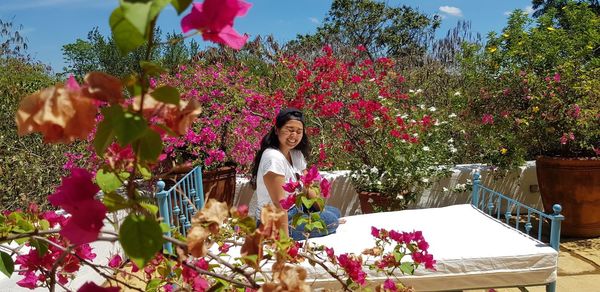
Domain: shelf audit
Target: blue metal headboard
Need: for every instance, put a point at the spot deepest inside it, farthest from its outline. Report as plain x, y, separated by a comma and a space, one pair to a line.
178, 204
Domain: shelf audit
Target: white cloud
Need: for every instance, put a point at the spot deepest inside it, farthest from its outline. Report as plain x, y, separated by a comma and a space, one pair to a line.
454, 11
528, 10
314, 20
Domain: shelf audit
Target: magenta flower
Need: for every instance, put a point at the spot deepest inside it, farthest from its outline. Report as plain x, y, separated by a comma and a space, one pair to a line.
389, 285
30, 281
288, 202
92, 287
76, 196
214, 19
325, 187
291, 186
115, 261
487, 119
311, 175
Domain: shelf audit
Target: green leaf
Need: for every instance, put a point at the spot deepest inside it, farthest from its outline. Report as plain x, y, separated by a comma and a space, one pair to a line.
7, 266
144, 171
131, 127
107, 181
115, 202
164, 227
104, 136
307, 202
24, 226
40, 246
152, 69
247, 224
125, 34
149, 146
166, 94
319, 225
141, 238
153, 285
44, 224
407, 268
181, 5
157, 7
137, 14
152, 209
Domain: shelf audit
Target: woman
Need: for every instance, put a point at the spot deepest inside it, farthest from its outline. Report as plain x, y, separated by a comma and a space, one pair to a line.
281, 158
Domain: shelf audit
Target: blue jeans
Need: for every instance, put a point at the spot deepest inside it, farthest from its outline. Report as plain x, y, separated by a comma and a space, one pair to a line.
329, 215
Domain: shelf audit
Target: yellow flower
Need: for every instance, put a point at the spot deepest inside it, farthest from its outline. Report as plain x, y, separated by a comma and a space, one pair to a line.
503, 151
505, 35
492, 49
550, 28
535, 109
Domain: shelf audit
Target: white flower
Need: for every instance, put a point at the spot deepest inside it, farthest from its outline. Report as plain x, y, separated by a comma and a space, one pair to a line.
452, 115
370, 200
374, 170
432, 109
400, 197
425, 180
453, 150
411, 91
425, 148
457, 93
445, 189
422, 106
415, 135
372, 79
451, 140
380, 97
419, 91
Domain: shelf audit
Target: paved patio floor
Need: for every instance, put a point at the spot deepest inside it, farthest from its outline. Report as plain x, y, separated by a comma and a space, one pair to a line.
578, 268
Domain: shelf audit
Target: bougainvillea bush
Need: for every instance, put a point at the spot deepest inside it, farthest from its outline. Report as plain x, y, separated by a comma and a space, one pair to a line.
47, 249
366, 119
236, 114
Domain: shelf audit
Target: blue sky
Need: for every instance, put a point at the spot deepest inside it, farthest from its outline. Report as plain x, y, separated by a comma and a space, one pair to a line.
49, 24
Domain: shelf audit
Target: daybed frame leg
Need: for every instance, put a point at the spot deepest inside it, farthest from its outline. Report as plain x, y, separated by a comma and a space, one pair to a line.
551, 287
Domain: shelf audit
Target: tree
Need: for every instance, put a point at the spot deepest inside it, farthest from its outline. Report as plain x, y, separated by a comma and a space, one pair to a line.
401, 32
542, 6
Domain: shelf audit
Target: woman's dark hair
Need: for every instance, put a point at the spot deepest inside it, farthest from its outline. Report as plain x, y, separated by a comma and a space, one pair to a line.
270, 140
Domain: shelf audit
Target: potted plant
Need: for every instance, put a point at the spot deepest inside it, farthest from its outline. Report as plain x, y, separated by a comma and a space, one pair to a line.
539, 99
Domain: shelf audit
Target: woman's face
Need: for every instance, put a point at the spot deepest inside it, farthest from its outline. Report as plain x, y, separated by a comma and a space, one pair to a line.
290, 134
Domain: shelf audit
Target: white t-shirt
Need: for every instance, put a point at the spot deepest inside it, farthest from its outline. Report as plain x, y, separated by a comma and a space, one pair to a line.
273, 160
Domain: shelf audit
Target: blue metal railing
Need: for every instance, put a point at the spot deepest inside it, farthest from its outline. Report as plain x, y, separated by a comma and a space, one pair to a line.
491, 202
179, 203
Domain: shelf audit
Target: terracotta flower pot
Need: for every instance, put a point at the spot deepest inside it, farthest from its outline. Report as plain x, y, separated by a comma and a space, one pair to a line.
575, 184
219, 184
371, 200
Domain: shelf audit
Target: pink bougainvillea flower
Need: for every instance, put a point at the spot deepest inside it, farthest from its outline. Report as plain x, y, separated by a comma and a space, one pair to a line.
92, 287
115, 261
214, 19
76, 196
288, 202
291, 186
74, 189
487, 119
389, 285
311, 176
325, 187
30, 281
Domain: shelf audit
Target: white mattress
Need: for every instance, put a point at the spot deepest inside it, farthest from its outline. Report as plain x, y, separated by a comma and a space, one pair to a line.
472, 250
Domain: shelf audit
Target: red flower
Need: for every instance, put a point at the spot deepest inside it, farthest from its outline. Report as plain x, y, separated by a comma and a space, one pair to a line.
115, 261
214, 18
76, 196
325, 186
288, 202
291, 186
